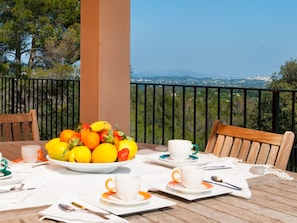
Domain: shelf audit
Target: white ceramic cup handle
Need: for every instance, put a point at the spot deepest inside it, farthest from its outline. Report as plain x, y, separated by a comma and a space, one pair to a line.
175, 174
107, 185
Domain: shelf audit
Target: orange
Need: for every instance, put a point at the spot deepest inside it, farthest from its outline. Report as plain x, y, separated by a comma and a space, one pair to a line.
59, 151
66, 134
83, 133
129, 144
80, 154
91, 140
104, 153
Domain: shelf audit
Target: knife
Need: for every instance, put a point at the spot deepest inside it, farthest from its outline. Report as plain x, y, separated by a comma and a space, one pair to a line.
101, 214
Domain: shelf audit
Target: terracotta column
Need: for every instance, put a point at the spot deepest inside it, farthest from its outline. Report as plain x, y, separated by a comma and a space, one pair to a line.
105, 62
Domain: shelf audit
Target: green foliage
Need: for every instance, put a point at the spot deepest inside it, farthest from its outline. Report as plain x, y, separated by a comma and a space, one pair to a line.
286, 78
37, 34
58, 71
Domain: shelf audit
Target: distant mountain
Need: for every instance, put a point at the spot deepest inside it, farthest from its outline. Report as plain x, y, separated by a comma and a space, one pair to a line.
166, 73
172, 73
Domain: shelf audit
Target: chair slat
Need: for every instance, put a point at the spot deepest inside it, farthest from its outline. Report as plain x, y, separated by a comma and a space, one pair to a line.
272, 155
263, 153
7, 133
253, 153
219, 145
16, 131
236, 147
227, 146
26, 129
244, 150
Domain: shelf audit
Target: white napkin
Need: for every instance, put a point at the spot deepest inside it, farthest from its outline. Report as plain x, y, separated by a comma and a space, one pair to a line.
245, 192
20, 196
236, 176
224, 162
22, 167
55, 213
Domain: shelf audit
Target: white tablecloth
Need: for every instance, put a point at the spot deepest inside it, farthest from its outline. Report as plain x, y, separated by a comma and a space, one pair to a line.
53, 181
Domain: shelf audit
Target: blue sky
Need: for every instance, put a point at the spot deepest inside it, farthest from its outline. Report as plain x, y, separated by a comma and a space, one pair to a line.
217, 37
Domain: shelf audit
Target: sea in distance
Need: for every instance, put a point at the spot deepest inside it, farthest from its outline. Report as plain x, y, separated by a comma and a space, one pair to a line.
187, 78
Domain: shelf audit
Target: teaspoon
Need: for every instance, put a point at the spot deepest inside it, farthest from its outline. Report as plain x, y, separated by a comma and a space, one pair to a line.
68, 208
220, 180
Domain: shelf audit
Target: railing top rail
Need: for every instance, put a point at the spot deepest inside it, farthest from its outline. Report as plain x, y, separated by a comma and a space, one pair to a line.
42, 79
212, 86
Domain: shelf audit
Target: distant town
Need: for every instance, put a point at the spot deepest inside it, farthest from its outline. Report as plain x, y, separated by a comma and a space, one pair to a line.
249, 82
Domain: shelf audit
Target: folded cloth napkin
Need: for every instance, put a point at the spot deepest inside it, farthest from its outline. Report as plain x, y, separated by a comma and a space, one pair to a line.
224, 162
21, 192
55, 213
234, 179
245, 192
219, 165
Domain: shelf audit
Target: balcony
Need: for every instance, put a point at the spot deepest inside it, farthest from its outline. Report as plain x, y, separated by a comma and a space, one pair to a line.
158, 112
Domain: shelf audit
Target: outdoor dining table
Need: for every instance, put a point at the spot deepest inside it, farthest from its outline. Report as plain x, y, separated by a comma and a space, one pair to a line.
273, 200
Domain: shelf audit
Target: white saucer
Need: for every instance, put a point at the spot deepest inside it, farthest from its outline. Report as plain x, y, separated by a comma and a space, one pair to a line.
111, 197
205, 187
166, 157
5, 175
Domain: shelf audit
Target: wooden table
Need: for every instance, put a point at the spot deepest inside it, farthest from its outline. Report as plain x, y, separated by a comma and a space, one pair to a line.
273, 200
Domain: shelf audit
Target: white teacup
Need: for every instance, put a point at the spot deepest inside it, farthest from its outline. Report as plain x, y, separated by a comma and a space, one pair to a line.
31, 153
190, 176
180, 149
126, 186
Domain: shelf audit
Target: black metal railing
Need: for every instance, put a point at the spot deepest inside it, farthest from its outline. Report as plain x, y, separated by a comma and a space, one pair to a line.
56, 102
159, 112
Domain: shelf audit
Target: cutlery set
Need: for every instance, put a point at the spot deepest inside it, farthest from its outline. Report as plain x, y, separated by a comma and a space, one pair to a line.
20, 187
69, 208
218, 181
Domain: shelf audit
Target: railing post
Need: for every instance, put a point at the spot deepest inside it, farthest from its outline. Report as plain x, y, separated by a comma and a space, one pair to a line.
275, 111
12, 106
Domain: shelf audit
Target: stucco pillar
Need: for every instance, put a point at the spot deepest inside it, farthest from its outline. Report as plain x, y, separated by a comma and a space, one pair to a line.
105, 62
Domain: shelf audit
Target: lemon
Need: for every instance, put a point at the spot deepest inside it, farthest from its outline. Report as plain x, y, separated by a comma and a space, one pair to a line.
80, 154
104, 153
49, 144
129, 144
59, 151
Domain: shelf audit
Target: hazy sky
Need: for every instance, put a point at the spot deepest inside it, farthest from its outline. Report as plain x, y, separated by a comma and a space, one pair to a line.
225, 37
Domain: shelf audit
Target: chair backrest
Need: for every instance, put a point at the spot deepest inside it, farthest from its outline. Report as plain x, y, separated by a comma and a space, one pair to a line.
19, 127
249, 145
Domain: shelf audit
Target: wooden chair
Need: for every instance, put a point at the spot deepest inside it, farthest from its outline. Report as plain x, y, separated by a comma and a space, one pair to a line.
19, 127
251, 146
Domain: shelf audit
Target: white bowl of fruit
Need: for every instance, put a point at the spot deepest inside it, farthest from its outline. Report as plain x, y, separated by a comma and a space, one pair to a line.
95, 148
